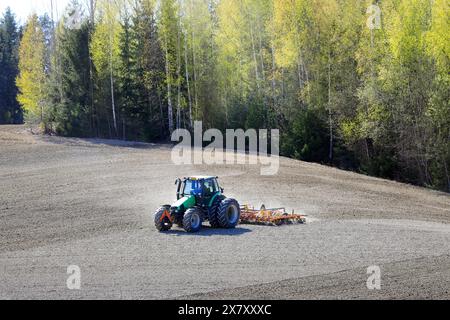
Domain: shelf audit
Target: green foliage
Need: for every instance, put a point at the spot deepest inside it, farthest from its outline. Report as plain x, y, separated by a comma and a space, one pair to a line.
257, 114
10, 111
307, 138
69, 89
141, 75
376, 101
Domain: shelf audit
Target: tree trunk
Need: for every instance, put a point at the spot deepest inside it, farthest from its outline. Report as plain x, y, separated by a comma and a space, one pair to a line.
261, 55
169, 89
194, 60
124, 137
161, 111
329, 108
111, 78
255, 60
179, 77
191, 122
91, 67
195, 76
274, 101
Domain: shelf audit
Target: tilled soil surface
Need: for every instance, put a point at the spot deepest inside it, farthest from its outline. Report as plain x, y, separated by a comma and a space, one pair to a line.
90, 202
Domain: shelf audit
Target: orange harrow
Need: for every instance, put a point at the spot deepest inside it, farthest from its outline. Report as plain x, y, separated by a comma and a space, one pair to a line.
270, 217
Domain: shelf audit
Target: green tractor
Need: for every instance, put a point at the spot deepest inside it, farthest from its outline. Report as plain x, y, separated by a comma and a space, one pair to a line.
199, 199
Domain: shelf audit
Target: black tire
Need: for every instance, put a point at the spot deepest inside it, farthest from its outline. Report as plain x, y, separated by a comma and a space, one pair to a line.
162, 224
229, 213
192, 220
213, 213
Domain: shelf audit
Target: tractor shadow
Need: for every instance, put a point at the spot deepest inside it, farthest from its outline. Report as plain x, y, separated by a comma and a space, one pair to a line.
210, 232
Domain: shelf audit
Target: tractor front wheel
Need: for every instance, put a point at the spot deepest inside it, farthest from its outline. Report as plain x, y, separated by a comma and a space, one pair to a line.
162, 219
192, 220
229, 213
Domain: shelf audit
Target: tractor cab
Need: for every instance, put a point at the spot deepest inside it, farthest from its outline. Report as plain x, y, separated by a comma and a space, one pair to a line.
202, 188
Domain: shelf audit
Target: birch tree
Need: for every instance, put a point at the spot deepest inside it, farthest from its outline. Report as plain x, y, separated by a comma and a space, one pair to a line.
31, 78
105, 49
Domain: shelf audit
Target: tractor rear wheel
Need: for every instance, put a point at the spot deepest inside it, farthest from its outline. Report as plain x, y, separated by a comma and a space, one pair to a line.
213, 213
229, 213
192, 220
162, 220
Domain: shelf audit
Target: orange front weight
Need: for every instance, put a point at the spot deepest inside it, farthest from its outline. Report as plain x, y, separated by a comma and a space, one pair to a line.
166, 214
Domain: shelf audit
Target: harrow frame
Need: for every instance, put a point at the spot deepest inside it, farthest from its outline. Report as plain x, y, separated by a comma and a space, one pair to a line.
270, 217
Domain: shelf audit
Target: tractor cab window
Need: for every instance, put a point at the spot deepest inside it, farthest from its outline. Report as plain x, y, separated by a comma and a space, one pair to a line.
210, 187
191, 186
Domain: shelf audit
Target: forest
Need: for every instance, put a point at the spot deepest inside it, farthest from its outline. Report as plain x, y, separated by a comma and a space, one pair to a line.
361, 85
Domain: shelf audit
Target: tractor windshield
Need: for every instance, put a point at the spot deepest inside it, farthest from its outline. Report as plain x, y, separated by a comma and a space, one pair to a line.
190, 186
